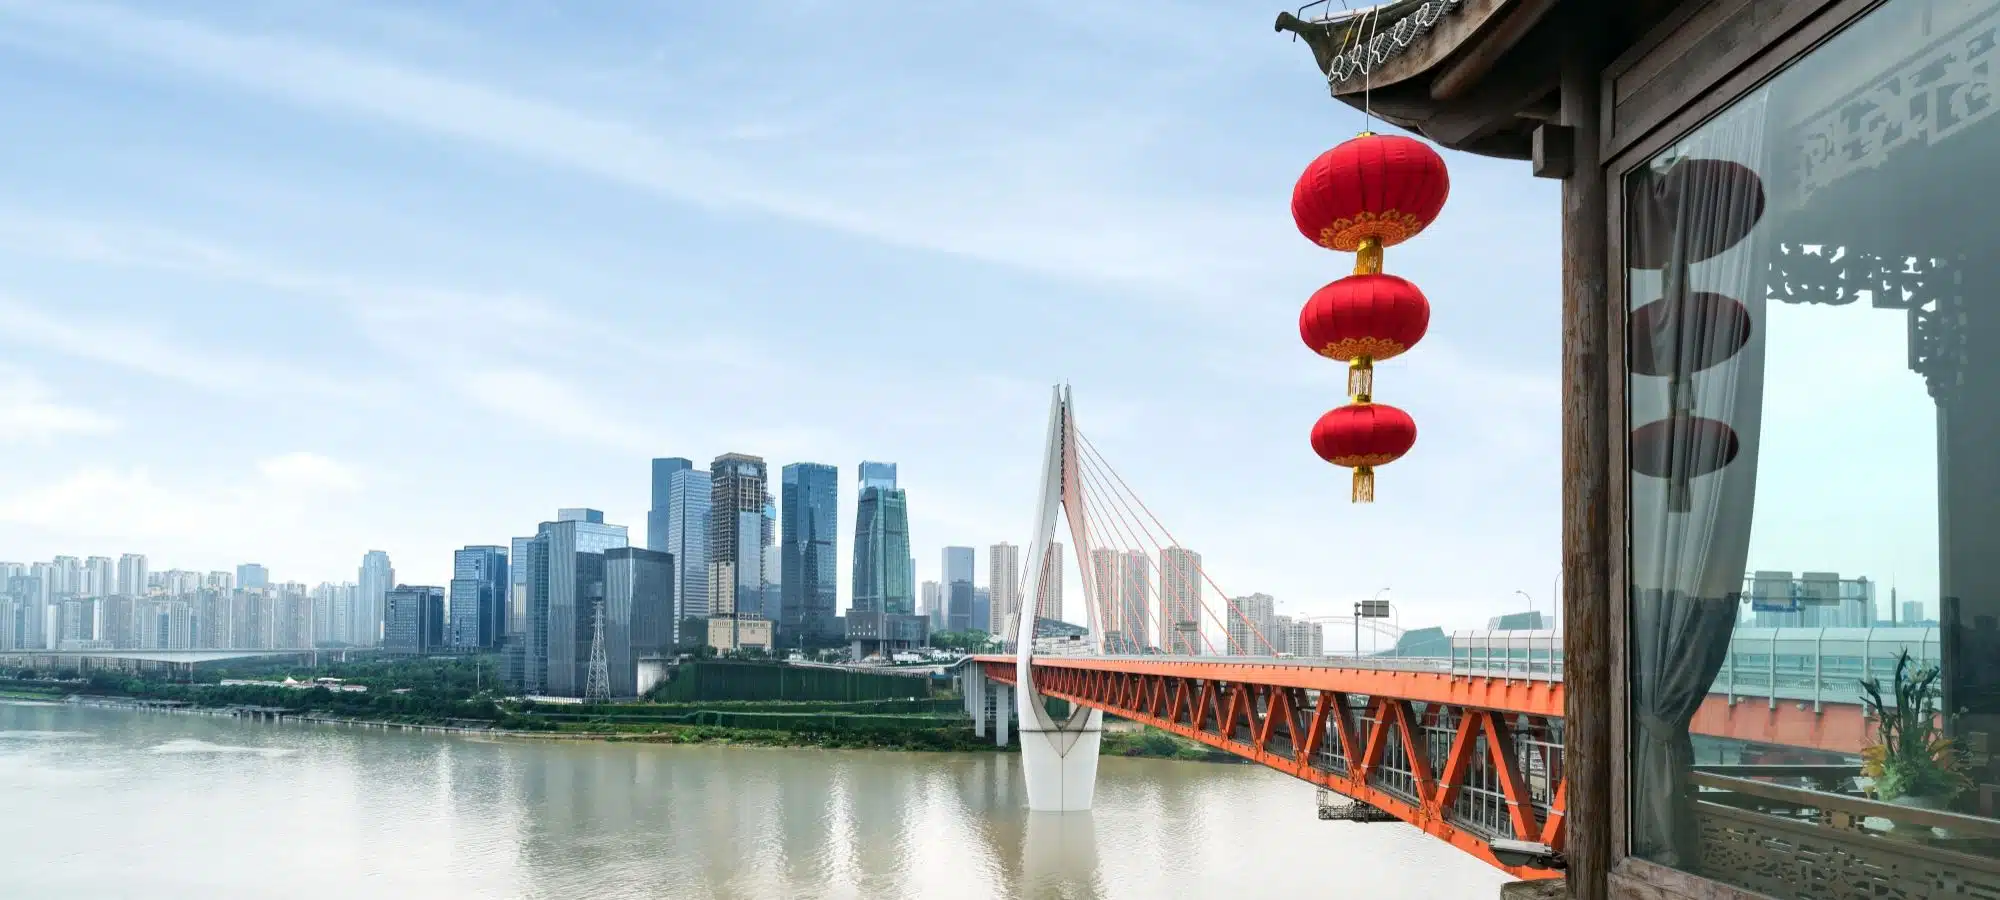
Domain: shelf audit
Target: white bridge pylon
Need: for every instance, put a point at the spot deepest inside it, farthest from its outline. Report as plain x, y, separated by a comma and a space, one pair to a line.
1058, 757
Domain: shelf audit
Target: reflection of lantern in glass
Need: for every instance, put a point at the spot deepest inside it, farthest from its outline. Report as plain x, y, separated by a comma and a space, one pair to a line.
1681, 448
1697, 208
1361, 320
1686, 335
1371, 192
1362, 436
1690, 211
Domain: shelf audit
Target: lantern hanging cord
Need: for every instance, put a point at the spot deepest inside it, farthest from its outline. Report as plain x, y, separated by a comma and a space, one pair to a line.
1373, 20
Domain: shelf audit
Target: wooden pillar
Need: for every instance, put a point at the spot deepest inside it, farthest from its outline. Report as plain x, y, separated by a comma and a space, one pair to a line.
1586, 469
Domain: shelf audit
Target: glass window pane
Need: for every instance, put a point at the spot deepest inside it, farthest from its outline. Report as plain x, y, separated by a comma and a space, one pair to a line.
1814, 356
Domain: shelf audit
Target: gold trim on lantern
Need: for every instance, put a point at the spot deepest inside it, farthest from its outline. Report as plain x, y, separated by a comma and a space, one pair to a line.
1364, 484
1350, 349
1364, 461
1389, 228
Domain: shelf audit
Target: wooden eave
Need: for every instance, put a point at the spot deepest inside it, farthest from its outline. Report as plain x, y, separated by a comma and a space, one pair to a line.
1480, 79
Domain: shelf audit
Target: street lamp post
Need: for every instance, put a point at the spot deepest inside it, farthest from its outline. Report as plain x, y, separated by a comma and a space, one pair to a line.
1531, 600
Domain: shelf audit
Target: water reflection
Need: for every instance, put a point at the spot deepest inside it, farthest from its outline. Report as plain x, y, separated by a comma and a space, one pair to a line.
343, 812
1059, 857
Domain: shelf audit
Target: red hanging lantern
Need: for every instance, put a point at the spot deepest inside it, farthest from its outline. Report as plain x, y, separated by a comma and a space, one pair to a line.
1371, 192
1362, 319
1362, 436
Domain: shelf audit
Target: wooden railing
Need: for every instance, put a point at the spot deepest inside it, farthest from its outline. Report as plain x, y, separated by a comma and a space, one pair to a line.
1790, 841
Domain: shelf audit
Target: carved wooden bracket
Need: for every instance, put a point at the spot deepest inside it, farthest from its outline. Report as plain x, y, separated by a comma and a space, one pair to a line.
1552, 150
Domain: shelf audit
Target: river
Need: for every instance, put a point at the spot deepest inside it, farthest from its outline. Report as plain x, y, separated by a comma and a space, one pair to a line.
108, 803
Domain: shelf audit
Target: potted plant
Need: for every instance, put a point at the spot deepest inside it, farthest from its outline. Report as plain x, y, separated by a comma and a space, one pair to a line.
1912, 763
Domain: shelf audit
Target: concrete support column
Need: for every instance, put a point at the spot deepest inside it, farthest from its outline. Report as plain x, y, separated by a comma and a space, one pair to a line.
975, 698
1002, 694
1059, 758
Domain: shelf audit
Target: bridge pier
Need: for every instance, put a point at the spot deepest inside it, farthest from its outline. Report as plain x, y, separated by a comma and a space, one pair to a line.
1059, 758
975, 698
1001, 697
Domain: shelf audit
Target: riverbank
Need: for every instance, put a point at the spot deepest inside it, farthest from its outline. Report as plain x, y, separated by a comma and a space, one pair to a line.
855, 731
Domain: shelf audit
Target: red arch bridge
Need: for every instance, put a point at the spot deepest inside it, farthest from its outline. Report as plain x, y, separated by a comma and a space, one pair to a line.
1466, 757
1467, 748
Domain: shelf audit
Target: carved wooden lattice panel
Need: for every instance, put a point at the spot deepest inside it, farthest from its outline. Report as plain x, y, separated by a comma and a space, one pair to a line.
1785, 858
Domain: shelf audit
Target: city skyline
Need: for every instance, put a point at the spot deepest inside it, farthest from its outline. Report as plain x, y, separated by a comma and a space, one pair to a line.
586, 278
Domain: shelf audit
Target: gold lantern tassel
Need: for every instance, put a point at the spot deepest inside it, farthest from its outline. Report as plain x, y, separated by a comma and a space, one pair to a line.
1368, 257
1361, 379
1364, 484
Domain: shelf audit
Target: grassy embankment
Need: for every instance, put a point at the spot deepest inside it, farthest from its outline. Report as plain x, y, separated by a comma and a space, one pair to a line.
744, 709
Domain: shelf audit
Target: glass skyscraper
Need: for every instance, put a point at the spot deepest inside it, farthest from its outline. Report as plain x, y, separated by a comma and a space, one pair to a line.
882, 577
660, 514
638, 613
478, 596
565, 583
377, 577
688, 500
413, 619
956, 588
809, 567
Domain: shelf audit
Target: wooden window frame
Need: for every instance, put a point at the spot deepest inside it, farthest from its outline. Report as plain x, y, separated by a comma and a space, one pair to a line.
1699, 62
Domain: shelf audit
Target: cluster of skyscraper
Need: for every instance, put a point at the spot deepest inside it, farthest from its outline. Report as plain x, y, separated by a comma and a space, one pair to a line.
96, 603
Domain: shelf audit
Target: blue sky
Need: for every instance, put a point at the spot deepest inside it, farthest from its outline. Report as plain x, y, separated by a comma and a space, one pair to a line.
287, 280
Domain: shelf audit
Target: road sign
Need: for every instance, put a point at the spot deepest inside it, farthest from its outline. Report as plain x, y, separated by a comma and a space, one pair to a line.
1372, 609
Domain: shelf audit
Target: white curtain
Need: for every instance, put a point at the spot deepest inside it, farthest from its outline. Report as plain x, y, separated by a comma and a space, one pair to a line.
1688, 551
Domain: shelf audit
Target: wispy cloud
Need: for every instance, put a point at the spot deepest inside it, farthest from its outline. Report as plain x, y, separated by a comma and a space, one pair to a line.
30, 412
146, 352
1028, 204
504, 351
130, 502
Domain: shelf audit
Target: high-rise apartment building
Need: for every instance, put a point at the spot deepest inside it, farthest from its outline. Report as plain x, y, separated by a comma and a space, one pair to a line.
1301, 639
1049, 589
956, 588
638, 612
810, 564
930, 604
1003, 578
1180, 601
252, 576
375, 580
413, 619
1253, 626
1106, 603
478, 596
1135, 597
65, 577
100, 577
660, 513
982, 609
132, 576
689, 494
333, 611
738, 539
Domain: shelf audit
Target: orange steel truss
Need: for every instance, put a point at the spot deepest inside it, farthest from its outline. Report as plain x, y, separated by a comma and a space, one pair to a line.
1467, 760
